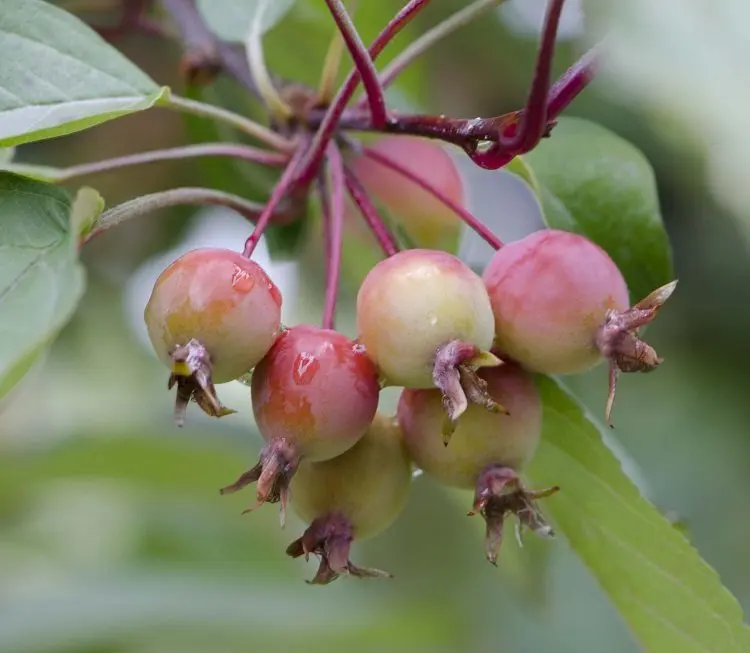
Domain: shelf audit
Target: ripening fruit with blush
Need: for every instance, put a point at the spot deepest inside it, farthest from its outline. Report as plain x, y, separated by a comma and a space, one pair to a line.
314, 395
561, 306
212, 315
481, 438
486, 452
425, 219
352, 497
426, 321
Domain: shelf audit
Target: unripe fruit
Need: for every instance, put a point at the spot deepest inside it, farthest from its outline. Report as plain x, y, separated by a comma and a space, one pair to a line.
314, 395
354, 496
213, 314
553, 293
486, 452
426, 320
481, 438
426, 220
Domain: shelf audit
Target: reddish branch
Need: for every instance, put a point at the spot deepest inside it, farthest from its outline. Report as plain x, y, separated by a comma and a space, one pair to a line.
330, 122
370, 213
362, 62
334, 216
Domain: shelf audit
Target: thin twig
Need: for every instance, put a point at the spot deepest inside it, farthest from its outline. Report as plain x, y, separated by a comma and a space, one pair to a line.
459, 210
335, 234
362, 62
432, 36
249, 127
233, 150
206, 54
369, 213
174, 197
312, 159
283, 186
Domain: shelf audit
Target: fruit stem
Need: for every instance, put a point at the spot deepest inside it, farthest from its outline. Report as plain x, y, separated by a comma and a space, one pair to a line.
282, 187
324, 133
533, 122
334, 216
174, 197
237, 151
362, 62
434, 35
278, 108
242, 124
369, 213
460, 211
331, 66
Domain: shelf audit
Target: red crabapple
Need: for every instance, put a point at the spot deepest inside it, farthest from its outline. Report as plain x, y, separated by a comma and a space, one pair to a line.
426, 321
426, 220
486, 452
561, 305
355, 496
213, 314
314, 395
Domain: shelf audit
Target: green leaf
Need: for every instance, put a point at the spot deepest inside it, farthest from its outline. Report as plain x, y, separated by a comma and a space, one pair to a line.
58, 76
668, 596
41, 280
231, 19
590, 181
87, 206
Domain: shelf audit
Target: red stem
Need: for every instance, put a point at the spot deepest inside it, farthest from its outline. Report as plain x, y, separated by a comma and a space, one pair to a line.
533, 122
325, 208
362, 62
322, 137
572, 82
335, 218
282, 187
369, 213
462, 213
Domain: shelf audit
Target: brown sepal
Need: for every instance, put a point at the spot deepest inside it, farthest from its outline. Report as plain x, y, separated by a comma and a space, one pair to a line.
191, 373
273, 472
330, 538
499, 492
618, 341
455, 374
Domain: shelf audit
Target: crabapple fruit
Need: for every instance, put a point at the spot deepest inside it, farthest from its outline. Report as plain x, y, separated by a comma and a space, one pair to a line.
426, 321
486, 451
424, 219
212, 315
314, 395
354, 496
561, 305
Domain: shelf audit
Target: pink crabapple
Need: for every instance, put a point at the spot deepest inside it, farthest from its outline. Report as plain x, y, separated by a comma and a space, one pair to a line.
561, 306
426, 321
211, 317
352, 497
486, 452
314, 395
427, 221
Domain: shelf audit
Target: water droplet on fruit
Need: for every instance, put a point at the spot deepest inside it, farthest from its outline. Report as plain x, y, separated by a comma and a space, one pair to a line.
306, 366
242, 281
359, 348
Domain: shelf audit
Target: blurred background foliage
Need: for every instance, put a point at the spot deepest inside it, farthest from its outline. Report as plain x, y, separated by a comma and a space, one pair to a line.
113, 537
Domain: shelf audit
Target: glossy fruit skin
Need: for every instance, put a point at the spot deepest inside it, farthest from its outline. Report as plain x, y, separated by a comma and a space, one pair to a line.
426, 220
412, 303
221, 299
481, 438
368, 484
317, 389
550, 292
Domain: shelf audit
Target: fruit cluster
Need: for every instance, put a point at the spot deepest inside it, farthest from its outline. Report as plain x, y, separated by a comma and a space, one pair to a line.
462, 346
